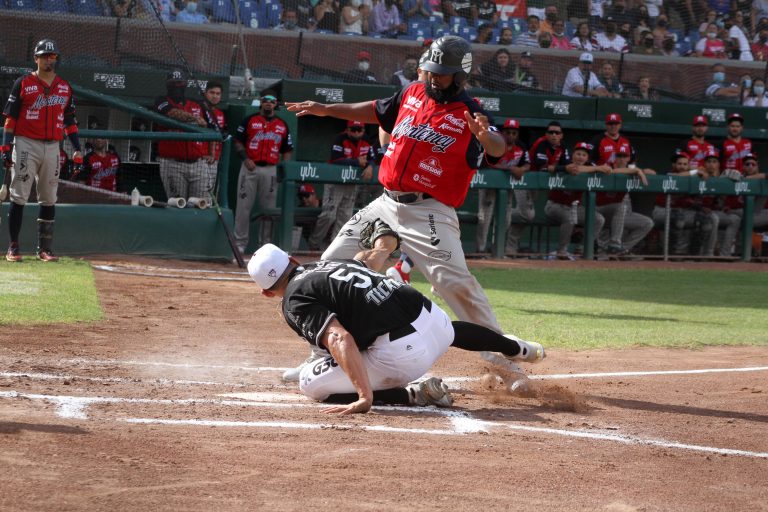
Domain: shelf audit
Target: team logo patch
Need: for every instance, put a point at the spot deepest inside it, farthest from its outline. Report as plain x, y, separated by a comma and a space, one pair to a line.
272, 273
433, 239
345, 232
431, 165
440, 255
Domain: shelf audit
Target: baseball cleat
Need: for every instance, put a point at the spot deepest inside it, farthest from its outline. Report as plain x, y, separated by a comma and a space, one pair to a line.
47, 256
13, 254
530, 351
432, 391
292, 374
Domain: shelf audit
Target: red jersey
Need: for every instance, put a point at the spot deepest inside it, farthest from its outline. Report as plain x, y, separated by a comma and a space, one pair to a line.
101, 171
264, 139
544, 154
604, 149
40, 111
714, 48
189, 151
731, 153
347, 150
697, 151
516, 156
222, 124
432, 149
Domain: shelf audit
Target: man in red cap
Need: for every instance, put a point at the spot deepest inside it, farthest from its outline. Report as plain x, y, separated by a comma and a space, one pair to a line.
362, 73
515, 160
349, 148
604, 146
697, 147
734, 147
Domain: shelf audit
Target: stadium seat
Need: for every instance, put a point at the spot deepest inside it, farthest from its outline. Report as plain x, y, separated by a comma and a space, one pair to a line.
468, 33
224, 11
55, 6
415, 26
458, 20
274, 11
517, 25
25, 5
87, 8
570, 30
439, 31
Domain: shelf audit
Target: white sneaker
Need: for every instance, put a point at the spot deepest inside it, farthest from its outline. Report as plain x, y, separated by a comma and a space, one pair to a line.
292, 375
530, 351
432, 391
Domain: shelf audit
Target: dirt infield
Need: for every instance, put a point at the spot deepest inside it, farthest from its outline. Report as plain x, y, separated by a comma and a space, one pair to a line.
174, 402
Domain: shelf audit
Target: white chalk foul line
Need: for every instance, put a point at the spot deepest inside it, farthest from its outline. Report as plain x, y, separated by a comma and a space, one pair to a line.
111, 362
55, 376
109, 268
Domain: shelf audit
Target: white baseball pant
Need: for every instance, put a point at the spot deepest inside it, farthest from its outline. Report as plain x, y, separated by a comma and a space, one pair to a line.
35, 161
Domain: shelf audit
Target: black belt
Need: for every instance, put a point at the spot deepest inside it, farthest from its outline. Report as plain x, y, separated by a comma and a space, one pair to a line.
185, 161
263, 164
402, 332
408, 198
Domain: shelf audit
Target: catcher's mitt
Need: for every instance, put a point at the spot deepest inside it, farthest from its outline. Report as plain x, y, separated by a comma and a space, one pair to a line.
374, 230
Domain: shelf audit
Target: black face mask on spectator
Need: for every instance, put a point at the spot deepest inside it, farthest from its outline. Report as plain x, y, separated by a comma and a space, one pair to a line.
545, 43
648, 42
610, 28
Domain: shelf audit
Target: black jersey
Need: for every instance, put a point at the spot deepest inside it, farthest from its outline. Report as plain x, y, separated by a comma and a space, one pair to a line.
366, 303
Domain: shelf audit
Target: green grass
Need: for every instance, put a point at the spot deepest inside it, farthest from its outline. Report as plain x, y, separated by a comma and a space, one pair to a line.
33, 292
581, 309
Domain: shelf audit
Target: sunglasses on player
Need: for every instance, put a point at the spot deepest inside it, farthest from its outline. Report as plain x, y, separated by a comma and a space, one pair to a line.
554, 132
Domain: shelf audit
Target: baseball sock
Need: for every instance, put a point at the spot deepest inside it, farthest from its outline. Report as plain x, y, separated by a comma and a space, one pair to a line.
394, 396
15, 216
476, 338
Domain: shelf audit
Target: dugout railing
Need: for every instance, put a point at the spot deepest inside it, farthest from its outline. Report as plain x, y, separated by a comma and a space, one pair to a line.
292, 174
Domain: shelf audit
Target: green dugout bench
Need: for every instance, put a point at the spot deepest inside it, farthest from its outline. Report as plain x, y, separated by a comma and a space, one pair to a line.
293, 174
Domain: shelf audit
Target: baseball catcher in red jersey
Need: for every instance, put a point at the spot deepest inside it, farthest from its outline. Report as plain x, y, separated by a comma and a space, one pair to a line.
439, 137
38, 114
376, 334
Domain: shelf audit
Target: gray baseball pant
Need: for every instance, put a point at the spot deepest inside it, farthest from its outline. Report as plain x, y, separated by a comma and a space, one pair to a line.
187, 179
338, 205
561, 214
731, 221
515, 220
260, 185
35, 161
682, 226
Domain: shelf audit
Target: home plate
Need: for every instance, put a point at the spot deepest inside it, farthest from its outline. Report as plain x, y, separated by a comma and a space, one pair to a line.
268, 397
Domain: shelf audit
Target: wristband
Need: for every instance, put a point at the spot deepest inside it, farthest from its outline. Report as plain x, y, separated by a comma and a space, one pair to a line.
4, 148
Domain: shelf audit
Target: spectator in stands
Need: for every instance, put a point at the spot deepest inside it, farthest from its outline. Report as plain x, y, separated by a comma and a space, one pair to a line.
647, 45
417, 10
466, 9
645, 14
738, 38
124, 8
506, 36
582, 40
515, 160
693, 226
190, 15
643, 90
550, 16
545, 40
354, 18
759, 13
581, 81
166, 8
618, 12
711, 46
524, 77
327, 15
610, 82
596, 10
577, 11
756, 96
625, 31
668, 48
760, 46
262, 140
362, 73
408, 74
609, 40
289, 21
100, 167
488, 12
385, 19
484, 34
350, 148
560, 40
661, 30
305, 11
719, 89
563, 204
498, 73
531, 36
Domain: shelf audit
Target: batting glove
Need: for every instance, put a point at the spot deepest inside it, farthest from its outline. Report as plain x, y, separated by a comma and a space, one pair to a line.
6, 154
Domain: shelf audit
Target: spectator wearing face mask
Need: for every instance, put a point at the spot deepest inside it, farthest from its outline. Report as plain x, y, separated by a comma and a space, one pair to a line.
545, 40
711, 46
756, 96
290, 21
385, 19
407, 75
719, 88
488, 12
646, 45
531, 37
190, 15
550, 16
668, 48
354, 18
738, 38
760, 46
661, 30
417, 10
610, 40
559, 39
361, 74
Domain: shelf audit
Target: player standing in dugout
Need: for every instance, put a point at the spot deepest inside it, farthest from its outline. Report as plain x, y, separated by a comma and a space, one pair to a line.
39, 112
439, 137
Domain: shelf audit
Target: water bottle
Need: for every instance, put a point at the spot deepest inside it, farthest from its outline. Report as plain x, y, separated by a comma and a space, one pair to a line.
135, 197
575, 212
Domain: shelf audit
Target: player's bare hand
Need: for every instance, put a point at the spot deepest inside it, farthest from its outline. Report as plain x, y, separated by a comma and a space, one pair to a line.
361, 406
249, 164
209, 159
478, 124
306, 108
643, 179
199, 121
367, 173
362, 160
